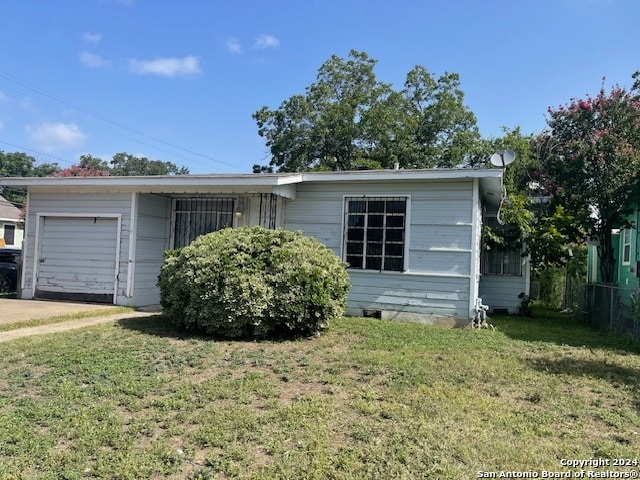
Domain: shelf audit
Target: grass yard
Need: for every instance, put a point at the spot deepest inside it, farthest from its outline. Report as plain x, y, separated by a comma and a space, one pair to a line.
367, 400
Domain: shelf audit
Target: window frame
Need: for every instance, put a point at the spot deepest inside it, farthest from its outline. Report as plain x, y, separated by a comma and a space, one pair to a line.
505, 257
625, 246
12, 229
405, 241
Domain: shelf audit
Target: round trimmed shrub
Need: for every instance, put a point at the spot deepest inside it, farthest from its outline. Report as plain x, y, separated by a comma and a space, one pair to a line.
253, 283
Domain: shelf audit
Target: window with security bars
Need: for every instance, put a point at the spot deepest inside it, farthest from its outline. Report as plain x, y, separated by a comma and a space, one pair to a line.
507, 262
375, 232
197, 216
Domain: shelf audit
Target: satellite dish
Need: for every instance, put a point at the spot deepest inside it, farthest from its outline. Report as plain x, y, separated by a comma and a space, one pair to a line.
502, 158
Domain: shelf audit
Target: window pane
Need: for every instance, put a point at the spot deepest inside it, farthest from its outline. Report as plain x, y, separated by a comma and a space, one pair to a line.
9, 234
626, 245
354, 261
357, 206
395, 235
376, 221
355, 234
374, 248
394, 249
395, 221
356, 220
374, 234
396, 206
355, 248
374, 263
393, 264
376, 206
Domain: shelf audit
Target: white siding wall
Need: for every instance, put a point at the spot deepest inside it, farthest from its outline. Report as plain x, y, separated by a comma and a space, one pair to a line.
152, 239
76, 203
435, 286
501, 291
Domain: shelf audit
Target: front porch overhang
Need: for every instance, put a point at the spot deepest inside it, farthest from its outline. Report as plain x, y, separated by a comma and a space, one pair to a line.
280, 185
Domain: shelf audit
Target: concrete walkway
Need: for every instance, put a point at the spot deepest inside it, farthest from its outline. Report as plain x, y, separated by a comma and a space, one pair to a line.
16, 310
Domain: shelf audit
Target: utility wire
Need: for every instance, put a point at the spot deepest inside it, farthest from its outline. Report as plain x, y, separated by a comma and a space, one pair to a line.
36, 151
108, 120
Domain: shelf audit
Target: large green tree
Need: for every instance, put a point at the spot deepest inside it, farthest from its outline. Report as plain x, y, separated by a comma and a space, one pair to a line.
124, 164
348, 119
17, 164
591, 164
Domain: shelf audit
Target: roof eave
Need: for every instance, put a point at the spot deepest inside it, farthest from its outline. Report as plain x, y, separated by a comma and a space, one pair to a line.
264, 180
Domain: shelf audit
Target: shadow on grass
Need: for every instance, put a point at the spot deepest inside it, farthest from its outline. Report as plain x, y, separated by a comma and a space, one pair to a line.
601, 369
161, 326
158, 326
613, 373
562, 329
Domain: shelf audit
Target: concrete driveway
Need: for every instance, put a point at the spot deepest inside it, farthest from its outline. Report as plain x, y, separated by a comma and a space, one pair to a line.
14, 310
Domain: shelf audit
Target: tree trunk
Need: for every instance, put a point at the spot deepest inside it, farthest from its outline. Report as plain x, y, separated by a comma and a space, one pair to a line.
605, 254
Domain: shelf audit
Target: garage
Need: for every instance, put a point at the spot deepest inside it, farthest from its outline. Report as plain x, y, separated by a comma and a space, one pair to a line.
77, 258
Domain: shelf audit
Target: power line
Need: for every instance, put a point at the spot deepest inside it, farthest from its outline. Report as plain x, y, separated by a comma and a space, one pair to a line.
36, 151
110, 121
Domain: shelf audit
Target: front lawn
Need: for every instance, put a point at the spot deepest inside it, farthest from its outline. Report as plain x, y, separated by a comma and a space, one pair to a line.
368, 399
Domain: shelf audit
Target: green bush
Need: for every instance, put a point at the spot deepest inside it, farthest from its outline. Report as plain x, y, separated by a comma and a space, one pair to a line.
253, 283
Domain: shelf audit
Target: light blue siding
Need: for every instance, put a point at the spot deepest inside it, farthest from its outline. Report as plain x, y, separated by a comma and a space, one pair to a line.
152, 239
407, 293
439, 234
501, 292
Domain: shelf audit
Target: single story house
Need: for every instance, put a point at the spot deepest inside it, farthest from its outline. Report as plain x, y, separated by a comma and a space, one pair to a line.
412, 238
11, 225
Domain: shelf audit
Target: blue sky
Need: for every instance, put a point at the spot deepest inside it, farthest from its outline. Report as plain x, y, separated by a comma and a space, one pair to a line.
179, 80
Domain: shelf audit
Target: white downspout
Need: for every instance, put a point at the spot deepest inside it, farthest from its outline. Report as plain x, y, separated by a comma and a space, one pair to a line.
476, 233
133, 233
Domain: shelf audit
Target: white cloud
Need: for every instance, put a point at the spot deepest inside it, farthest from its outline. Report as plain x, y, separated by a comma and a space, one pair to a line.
233, 45
266, 41
93, 38
166, 67
53, 137
93, 60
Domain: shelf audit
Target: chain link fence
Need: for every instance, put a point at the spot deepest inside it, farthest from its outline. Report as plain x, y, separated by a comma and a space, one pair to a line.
611, 308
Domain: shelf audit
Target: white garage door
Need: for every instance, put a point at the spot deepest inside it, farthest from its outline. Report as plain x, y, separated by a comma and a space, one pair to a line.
77, 258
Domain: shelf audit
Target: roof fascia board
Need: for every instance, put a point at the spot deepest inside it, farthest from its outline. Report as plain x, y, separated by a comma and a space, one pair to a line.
264, 180
386, 175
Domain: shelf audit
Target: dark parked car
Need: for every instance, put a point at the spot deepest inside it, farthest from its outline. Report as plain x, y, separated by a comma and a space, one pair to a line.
9, 265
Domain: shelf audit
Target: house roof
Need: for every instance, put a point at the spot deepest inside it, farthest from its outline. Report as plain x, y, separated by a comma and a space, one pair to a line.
8, 212
280, 183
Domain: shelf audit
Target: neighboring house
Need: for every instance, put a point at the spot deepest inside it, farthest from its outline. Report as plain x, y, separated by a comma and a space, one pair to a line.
11, 225
411, 237
626, 254
615, 306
